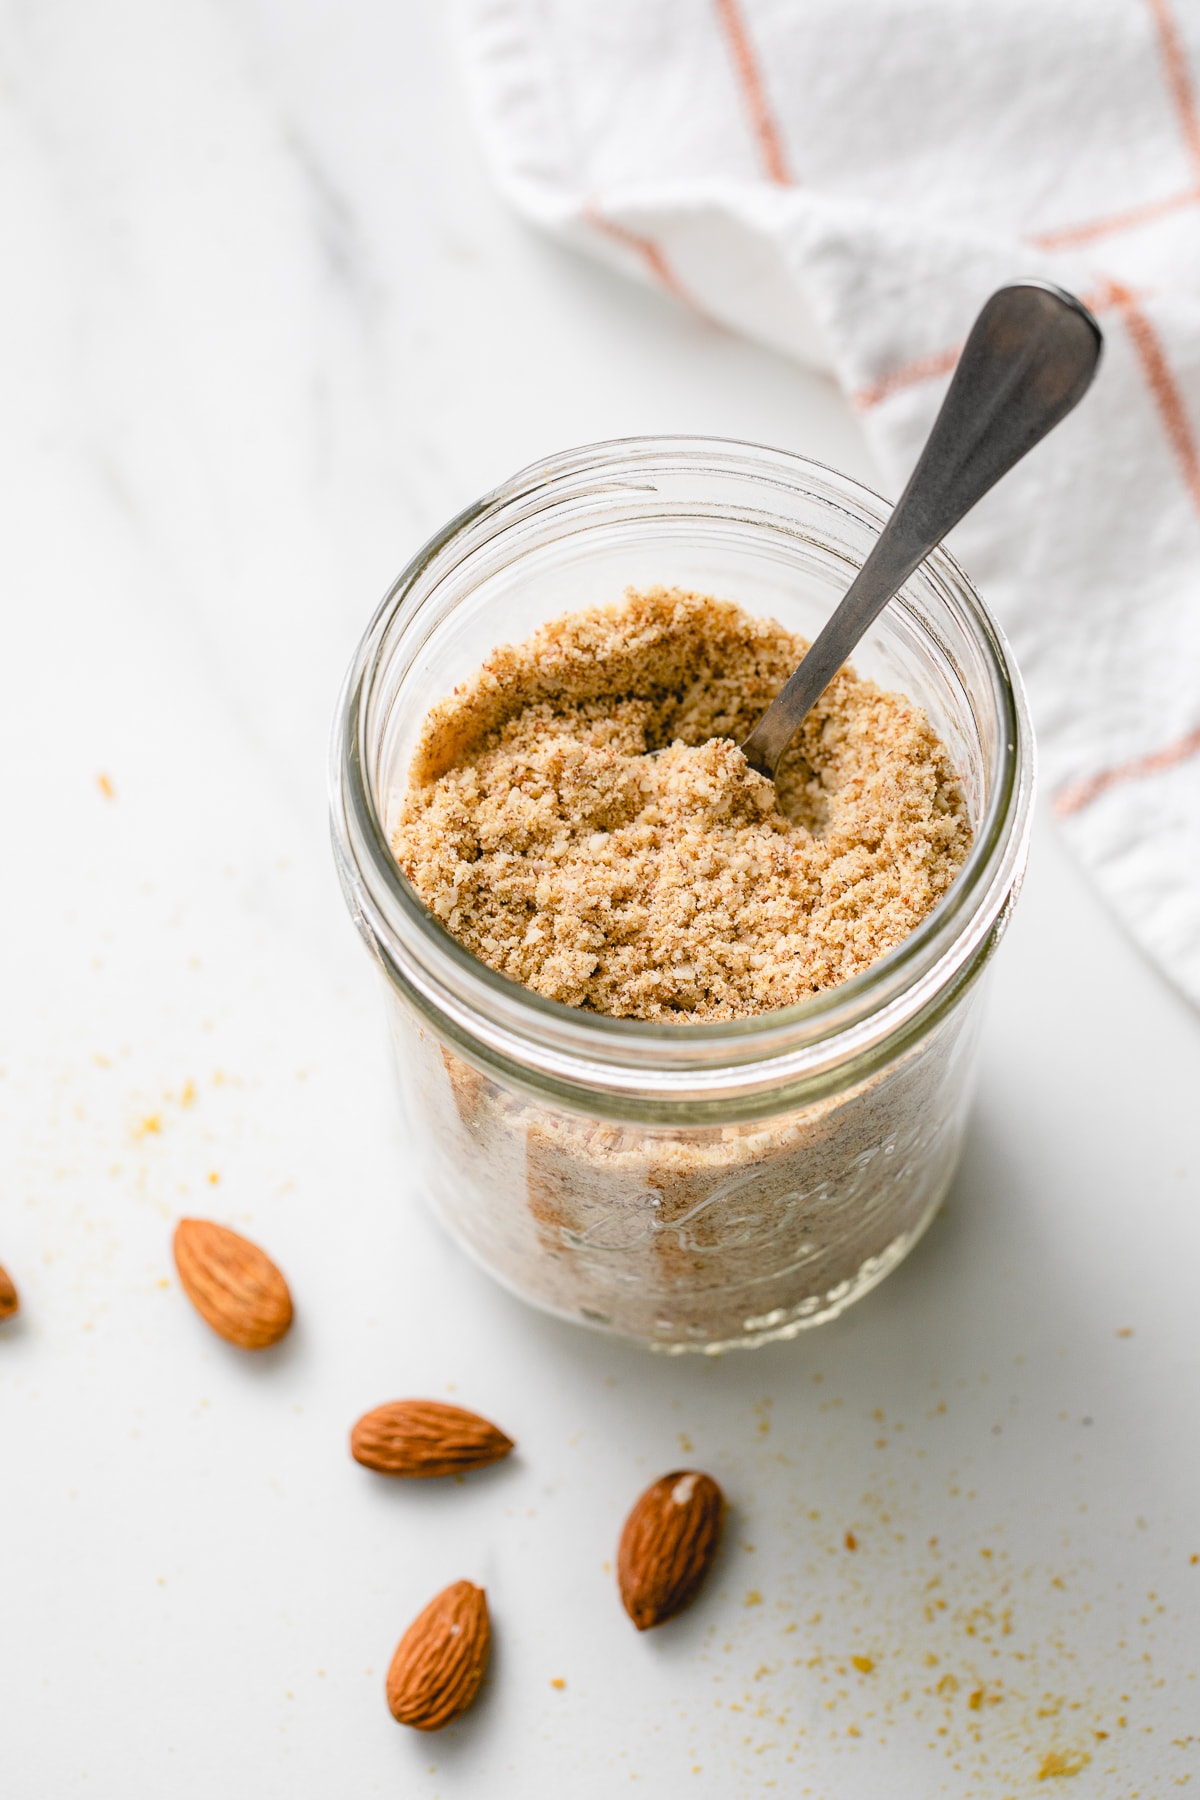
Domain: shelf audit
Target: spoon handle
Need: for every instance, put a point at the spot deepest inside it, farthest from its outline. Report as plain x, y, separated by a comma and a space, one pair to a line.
1030, 358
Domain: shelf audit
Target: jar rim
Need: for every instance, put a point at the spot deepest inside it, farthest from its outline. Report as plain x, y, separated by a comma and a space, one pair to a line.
491, 1016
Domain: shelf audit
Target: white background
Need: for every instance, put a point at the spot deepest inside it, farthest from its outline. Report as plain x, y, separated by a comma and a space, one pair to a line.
263, 326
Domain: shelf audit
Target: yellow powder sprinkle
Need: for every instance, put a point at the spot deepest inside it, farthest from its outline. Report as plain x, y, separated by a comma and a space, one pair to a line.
1062, 1762
580, 817
864, 1664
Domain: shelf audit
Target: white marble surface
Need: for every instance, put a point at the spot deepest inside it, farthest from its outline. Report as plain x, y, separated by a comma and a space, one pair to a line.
263, 327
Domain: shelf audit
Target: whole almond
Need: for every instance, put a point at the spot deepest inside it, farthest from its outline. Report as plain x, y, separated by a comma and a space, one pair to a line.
422, 1438
9, 1298
668, 1544
234, 1286
441, 1659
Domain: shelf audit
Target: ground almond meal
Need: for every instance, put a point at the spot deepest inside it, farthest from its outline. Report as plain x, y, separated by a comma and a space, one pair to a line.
580, 817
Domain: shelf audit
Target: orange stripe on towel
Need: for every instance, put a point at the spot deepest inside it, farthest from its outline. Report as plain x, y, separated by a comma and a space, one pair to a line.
1148, 348
1087, 233
1078, 794
1179, 77
650, 253
924, 368
754, 91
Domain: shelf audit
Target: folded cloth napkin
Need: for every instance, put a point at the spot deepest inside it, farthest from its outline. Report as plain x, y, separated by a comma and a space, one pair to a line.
847, 180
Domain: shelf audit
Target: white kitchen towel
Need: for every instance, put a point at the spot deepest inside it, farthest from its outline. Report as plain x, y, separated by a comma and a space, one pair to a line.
848, 180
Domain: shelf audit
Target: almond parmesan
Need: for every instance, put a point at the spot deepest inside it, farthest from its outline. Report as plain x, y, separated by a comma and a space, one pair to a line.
425, 1438
580, 817
9, 1298
441, 1659
234, 1286
668, 1545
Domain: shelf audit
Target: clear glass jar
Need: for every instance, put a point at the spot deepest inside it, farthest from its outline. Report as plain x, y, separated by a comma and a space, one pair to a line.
691, 1186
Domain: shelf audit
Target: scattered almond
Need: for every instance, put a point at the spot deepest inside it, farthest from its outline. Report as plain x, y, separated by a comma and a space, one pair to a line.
234, 1286
9, 1298
441, 1659
667, 1546
425, 1438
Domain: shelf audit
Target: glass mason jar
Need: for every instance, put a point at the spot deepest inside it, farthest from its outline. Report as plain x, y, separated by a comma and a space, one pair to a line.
692, 1186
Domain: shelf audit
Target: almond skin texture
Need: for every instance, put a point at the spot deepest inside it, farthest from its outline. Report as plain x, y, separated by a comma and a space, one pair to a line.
441, 1659
668, 1544
423, 1438
233, 1285
9, 1301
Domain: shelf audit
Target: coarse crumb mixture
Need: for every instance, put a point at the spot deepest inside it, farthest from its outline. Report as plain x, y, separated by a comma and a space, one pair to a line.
580, 817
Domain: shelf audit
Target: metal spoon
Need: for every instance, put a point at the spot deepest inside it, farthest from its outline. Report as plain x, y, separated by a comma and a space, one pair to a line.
1030, 358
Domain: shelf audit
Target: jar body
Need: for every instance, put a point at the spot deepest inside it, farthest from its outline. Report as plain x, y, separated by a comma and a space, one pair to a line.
688, 1237
688, 1186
